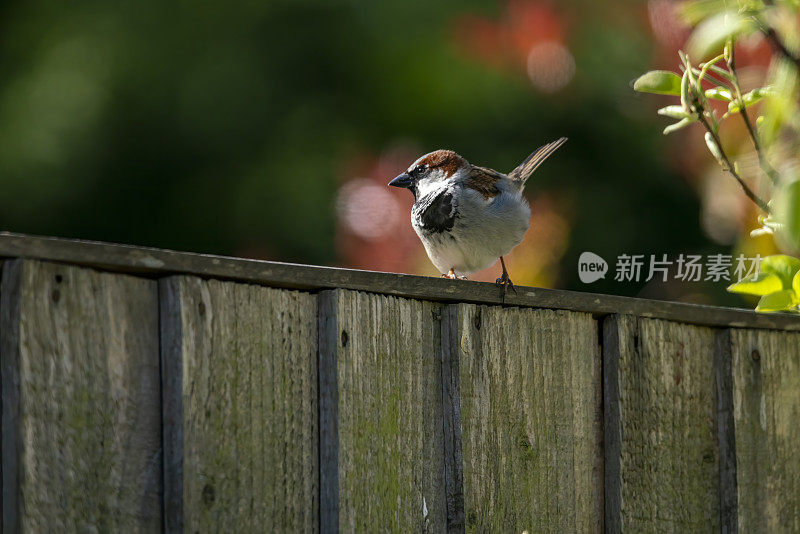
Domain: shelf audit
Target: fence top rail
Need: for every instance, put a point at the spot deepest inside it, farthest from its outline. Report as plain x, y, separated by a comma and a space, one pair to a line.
160, 262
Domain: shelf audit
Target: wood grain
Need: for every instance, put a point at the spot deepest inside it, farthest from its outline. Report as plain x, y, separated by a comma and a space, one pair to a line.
81, 400
158, 262
246, 452
531, 420
766, 406
667, 453
386, 353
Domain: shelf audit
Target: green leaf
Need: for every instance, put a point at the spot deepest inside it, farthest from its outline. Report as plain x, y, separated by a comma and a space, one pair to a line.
694, 12
761, 284
750, 98
674, 112
722, 73
713, 147
709, 78
710, 36
660, 82
787, 213
719, 93
686, 100
796, 285
780, 111
784, 267
769, 224
756, 94
778, 301
677, 126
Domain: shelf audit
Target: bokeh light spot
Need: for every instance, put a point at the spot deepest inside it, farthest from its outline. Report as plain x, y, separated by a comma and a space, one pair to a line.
367, 210
550, 66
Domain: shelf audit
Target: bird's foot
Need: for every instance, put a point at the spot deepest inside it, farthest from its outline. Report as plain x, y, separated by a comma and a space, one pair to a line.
505, 280
506, 283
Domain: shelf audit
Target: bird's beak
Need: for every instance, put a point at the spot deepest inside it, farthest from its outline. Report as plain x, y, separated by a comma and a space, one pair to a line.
402, 180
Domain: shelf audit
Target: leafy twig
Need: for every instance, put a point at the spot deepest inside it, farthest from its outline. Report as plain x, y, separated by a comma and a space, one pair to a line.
694, 101
768, 169
728, 166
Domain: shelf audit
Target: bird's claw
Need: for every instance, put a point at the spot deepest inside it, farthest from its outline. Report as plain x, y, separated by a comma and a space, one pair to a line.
506, 283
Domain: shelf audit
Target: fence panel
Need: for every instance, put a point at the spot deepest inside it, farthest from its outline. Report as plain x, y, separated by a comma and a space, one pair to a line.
381, 427
530, 400
81, 403
423, 405
661, 427
240, 411
766, 408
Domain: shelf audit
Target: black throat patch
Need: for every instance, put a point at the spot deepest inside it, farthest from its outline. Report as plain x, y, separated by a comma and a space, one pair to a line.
438, 214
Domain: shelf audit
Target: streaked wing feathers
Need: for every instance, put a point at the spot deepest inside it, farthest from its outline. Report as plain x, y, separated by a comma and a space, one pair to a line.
483, 181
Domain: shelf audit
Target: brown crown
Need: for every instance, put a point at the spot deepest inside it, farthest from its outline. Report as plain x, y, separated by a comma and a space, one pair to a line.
446, 160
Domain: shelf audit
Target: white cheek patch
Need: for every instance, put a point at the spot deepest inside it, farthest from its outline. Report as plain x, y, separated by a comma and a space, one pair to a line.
430, 185
427, 187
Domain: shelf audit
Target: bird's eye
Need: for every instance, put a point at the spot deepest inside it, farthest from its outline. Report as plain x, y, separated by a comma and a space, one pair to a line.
419, 169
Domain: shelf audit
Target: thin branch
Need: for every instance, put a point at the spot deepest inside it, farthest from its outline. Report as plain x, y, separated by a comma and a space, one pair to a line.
776, 41
768, 169
770, 33
728, 166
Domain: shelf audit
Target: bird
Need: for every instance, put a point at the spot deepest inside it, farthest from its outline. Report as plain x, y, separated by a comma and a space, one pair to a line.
468, 216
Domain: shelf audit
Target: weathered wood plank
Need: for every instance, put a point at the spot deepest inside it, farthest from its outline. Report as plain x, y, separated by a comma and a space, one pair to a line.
766, 402
386, 352
668, 478
246, 449
81, 400
158, 262
531, 420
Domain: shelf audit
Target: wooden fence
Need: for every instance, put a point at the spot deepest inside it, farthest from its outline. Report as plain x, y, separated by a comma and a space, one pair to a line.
147, 390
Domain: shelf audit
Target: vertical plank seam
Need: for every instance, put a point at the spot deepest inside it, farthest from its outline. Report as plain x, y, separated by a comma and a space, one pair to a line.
451, 419
10, 296
171, 369
612, 431
327, 402
597, 374
726, 437
161, 411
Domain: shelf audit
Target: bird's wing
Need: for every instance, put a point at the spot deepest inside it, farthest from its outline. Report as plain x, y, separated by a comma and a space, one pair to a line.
484, 181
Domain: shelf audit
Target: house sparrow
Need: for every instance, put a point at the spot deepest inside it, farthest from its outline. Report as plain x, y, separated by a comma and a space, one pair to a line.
468, 216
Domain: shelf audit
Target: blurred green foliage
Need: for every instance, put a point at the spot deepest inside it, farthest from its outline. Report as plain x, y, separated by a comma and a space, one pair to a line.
776, 135
224, 127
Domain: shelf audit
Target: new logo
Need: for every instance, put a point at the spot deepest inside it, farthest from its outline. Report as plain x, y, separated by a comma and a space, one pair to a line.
591, 267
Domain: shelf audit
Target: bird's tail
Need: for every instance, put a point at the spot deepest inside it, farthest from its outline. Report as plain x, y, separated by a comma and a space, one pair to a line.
532, 162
